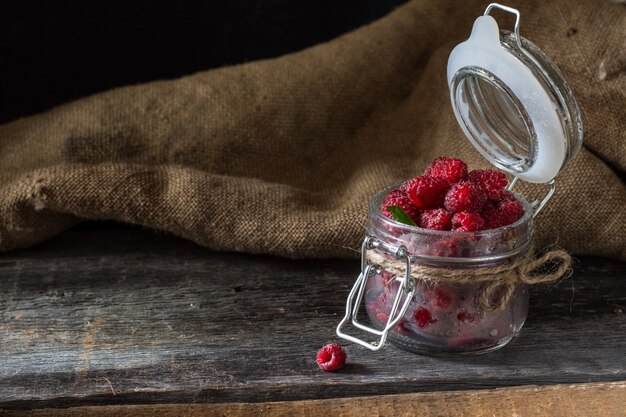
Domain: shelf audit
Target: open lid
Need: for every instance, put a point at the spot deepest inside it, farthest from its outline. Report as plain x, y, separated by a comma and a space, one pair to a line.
512, 102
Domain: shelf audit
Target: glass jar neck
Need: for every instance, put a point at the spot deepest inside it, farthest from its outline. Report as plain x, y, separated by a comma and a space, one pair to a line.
465, 248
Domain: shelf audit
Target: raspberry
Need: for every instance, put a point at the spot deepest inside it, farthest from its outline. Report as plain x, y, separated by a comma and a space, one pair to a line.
450, 169
504, 195
465, 317
382, 318
444, 297
465, 196
435, 219
466, 221
491, 181
426, 192
331, 357
500, 214
423, 317
401, 328
399, 198
512, 210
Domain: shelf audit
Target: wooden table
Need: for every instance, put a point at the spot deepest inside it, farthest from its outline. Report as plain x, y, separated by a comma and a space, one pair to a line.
126, 321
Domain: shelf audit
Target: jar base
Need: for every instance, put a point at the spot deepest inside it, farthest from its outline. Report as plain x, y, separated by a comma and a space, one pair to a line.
409, 344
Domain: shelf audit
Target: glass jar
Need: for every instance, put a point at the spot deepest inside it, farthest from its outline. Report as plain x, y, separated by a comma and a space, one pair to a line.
515, 107
445, 318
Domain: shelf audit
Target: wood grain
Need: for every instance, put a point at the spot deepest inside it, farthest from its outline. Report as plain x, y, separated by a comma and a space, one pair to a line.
133, 317
581, 400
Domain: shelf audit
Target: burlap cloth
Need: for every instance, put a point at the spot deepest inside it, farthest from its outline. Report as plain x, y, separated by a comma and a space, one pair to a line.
281, 156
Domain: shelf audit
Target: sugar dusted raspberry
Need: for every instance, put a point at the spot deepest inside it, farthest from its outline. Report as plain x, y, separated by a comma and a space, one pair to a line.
426, 192
465, 196
331, 357
502, 213
491, 181
467, 221
512, 210
450, 169
399, 198
503, 195
423, 317
436, 219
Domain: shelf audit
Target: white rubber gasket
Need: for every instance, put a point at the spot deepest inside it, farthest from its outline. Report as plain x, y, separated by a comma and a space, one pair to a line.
483, 50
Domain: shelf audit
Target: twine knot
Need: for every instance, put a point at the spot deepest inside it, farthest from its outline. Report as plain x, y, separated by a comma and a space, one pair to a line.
504, 277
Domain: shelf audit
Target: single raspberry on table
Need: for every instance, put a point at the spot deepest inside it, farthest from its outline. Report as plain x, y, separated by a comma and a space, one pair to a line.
491, 181
426, 192
423, 317
331, 357
467, 221
450, 169
465, 196
399, 198
436, 219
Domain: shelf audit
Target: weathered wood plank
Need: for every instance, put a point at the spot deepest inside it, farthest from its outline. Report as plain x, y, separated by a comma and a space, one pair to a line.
134, 317
580, 400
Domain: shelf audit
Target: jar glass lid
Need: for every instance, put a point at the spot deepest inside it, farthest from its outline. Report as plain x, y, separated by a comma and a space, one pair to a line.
512, 102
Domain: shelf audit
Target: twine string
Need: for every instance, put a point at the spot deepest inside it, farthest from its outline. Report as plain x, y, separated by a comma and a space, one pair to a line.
501, 279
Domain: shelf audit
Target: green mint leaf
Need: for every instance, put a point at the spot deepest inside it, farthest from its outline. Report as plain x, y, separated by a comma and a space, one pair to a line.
400, 215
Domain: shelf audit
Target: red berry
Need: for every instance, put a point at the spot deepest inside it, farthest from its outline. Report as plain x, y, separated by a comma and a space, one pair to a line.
426, 192
512, 210
504, 195
436, 219
450, 169
465, 196
423, 317
490, 180
466, 317
500, 214
382, 318
401, 328
331, 357
399, 198
443, 298
466, 221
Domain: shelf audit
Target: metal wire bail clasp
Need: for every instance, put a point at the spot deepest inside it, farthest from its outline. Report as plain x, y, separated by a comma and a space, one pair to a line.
407, 289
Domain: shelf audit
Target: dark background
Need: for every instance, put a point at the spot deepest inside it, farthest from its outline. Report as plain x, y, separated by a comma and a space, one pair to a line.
51, 54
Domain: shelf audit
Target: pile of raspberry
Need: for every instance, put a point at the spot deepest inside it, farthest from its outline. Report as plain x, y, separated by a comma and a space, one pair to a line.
448, 197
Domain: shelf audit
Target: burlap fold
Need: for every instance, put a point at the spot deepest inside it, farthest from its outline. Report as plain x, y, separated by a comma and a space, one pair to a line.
281, 156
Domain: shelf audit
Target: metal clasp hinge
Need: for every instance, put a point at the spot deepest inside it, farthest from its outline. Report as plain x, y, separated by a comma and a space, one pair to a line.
353, 303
